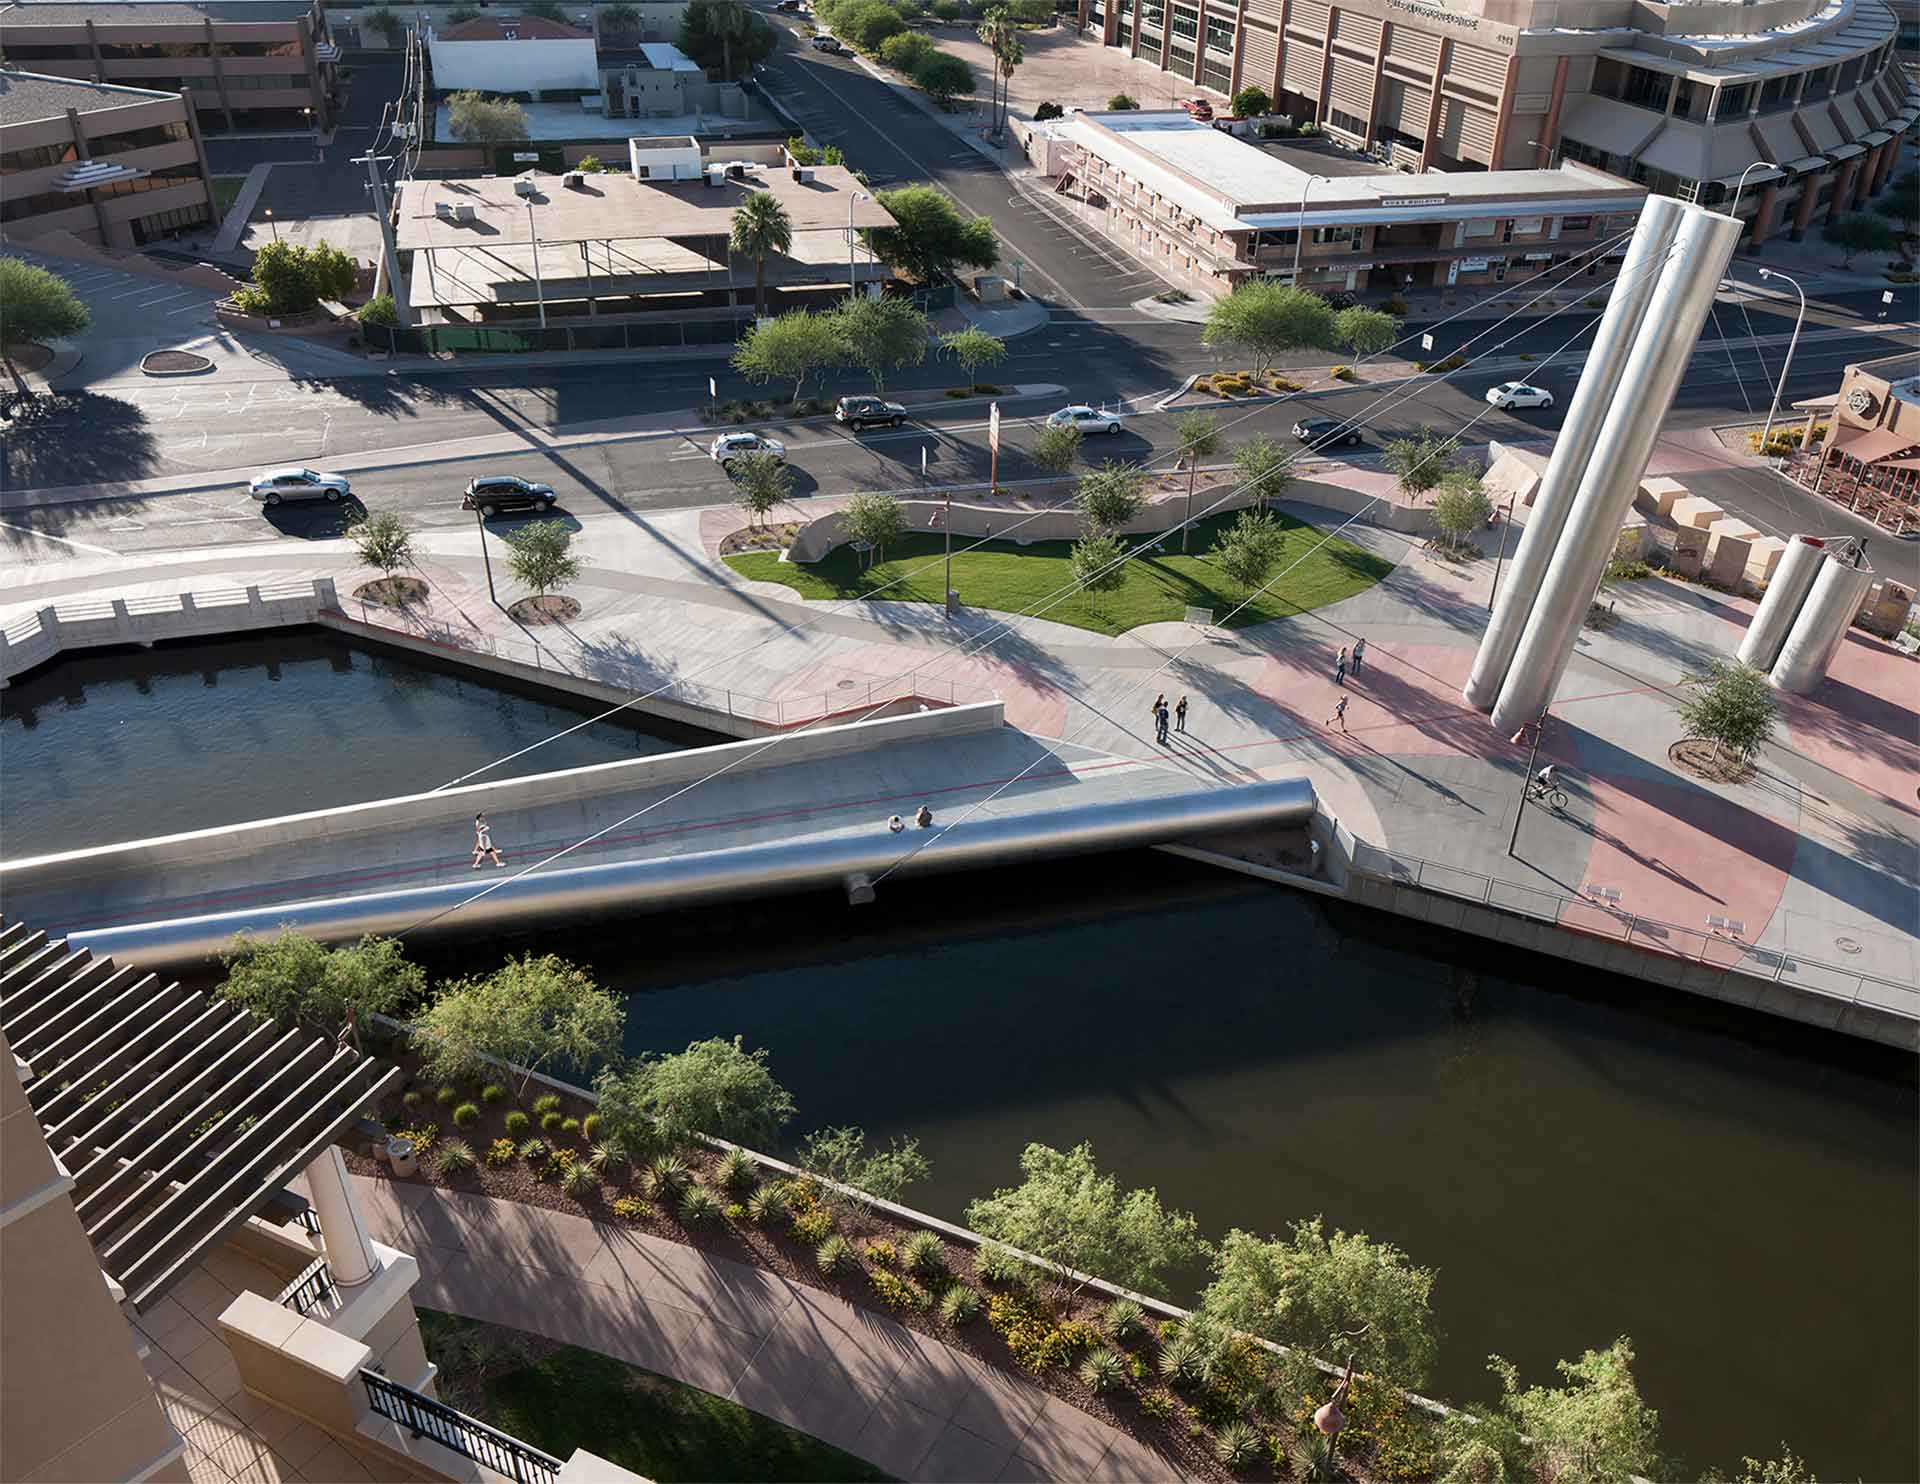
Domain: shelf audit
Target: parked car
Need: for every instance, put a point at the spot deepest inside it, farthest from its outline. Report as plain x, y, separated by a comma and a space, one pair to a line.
829, 44
859, 412
275, 485
496, 494
1519, 394
1198, 108
730, 446
1325, 432
792, 7
1087, 419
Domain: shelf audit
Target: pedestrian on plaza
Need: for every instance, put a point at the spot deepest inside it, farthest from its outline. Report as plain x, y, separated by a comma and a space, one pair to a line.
1340, 667
1359, 654
483, 846
1160, 718
895, 823
1339, 713
1180, 715
923, 817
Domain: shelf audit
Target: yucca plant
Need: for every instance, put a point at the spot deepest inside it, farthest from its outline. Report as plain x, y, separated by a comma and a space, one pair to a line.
925, 1254
1237, 1445
453, 1157
1104, 1371
668, 1177
961, 1305
533, 1151
699, 1207
736, 1172
1312, 1458
1126, 1320
582, 1180
767, 1204
1183, 1361
836, 1255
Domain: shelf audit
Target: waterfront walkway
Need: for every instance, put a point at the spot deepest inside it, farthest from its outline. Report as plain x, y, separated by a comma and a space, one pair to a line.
906, 1403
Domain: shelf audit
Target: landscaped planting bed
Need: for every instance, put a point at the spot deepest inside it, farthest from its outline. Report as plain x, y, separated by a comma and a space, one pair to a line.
1236, 1411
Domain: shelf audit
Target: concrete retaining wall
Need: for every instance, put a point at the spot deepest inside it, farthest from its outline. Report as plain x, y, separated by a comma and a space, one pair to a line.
196, 847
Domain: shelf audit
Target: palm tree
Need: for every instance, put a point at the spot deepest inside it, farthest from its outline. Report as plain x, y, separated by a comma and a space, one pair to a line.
761, 226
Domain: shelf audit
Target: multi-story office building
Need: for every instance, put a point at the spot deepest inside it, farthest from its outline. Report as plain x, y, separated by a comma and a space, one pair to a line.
1209, 211
114, 166
253, 66
1682, 98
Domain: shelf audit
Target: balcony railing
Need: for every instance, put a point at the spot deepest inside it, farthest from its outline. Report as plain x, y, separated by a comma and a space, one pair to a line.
468, 1436
314, 1287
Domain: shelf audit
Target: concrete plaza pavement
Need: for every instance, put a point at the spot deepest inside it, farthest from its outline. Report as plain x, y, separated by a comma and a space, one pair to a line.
1815, 854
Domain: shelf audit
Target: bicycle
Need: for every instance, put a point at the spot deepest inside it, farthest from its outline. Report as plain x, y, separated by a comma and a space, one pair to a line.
1555, 798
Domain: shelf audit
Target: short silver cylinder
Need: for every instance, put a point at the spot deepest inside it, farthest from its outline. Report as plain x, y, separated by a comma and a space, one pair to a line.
1792, 581
975, 842
1821, 626
1702, 248
1632, 291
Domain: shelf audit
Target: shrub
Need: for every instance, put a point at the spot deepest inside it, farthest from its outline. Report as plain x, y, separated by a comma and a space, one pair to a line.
453, 1157
1047, 110
570, 1126
533, 1150
492, 1093
736, 1172
590, 1127
1237, 1445
445, 1096
547, 1103
961, 1305
1158, 1406
1034, 1340
835, 1254
699, 1207
1104, 1371
550, 1123
423, 1135
412, 1101
518, 1123
466, 1115
582, 1180
1126, 1321
997, 1264
501, 1152
1344, 373
906, 51
668, 1177
882, 1254
631, 1208
897, 1292
766, 1204
925, 1254
559, 1165
736, 1212
813, 1227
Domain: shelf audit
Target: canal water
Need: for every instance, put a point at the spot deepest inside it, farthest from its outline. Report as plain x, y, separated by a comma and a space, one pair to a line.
1578, 1156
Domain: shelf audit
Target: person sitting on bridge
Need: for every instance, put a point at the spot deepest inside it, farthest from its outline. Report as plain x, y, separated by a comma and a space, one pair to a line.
923, 816
895, 823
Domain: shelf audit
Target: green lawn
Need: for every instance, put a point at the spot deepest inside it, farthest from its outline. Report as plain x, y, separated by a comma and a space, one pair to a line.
1008, 578
658, 1428
225, 189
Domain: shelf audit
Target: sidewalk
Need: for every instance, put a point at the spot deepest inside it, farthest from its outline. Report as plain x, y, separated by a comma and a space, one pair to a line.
903, 1401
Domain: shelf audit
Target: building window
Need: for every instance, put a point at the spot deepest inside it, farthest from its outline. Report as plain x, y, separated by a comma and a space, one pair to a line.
1216, 75
1180, 57
1777, 93
1819, 85
1647, 88
1220, 34
1347, 122
1186, 23
1324, 235
35, 157
114, 144
1575, 224
1735, 101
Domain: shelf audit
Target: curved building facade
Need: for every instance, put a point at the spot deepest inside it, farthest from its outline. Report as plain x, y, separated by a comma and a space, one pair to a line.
1680, 98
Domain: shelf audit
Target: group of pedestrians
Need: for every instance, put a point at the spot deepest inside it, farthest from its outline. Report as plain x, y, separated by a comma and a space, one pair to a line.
1161, 713
922, 817
1340, 661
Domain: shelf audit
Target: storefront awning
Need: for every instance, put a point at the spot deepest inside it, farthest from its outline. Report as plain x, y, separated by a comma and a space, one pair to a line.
1871, 445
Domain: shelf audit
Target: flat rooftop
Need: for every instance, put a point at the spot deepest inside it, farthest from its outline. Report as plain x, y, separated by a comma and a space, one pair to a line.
611, 208
26, 97
149, 12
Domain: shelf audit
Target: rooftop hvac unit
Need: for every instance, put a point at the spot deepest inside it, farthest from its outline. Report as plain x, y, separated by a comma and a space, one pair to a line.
525, 188
573, 179
716, 175
803, 174
463, 214
443, 210
737, 171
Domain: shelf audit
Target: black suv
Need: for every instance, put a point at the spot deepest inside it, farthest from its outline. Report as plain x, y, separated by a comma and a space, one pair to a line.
1325, 432
498, 494
860, 412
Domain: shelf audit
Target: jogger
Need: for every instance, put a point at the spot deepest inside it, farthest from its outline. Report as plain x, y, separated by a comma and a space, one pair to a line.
1339, 713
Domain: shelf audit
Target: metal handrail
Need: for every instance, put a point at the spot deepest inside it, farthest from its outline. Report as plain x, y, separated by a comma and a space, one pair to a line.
424, 1417
1651, 934
313, 1287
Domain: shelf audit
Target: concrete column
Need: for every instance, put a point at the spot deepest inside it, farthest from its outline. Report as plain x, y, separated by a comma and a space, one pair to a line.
1803, 209
1763, 214
1840, 202
1640, 274
1821, 627
1703, 246
344, 1231
1792, 580
219, 76
1883, 166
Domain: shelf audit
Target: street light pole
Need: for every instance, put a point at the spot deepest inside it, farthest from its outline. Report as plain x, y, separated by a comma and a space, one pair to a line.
1300, 235
1506, 521
1741, 184
1533, 756
480, 524
1780, 386
539, 284
852, 244
273, 225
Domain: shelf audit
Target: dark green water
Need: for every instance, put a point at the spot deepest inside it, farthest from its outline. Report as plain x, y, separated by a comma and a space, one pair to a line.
1579, 1157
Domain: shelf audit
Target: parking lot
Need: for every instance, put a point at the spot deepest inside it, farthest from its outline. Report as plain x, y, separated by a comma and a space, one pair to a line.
1062, 67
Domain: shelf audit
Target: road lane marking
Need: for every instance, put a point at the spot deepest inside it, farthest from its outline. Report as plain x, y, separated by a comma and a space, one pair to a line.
62, 540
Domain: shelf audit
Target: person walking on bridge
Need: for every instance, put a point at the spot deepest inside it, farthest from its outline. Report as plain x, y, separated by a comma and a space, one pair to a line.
483, 846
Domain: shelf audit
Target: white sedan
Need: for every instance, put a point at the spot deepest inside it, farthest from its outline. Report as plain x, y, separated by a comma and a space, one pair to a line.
275, 485
1087, 420
730, 446
1519, 394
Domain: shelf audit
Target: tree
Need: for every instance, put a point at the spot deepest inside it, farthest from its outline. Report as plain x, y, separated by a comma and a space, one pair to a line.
290, 278
973, 348
1199, 436
546, 10
540, 557
1056, 446
1859, 232
384, 542
943, 77
1249, 549
1594, 1430
594, 165
380, 312
906, 51
1048, 110
1110, 496
1330, 1296
762, 482
1001, 33
1262, 466
880, 336
814, 154
720, 33
1267, 319
620, 19
385, 22
1461, 507
841, 1155
35, 305
876, 519
1121, 103
931, 238
1364, 331
760, 228
1069, 1213
461, 14
798, 344
474, 118
1788, 1468
1251, 102
1901, 204
292, 978
715, 1087
868, 24
1732, 707
1422, 461
1099, 566
539, 1013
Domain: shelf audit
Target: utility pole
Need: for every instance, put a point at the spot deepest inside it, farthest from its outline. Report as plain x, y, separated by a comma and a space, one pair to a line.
480, 524
1506, 521
1526, 781
390, 259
